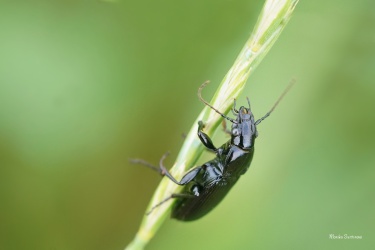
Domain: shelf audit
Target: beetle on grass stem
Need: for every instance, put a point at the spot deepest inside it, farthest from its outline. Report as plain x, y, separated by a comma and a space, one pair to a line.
205, 186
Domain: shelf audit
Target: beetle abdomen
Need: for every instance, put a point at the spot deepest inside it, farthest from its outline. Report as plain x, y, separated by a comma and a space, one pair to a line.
188, 209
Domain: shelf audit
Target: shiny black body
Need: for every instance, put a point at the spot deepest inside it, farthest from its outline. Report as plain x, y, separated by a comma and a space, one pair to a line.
208, 184
205, 186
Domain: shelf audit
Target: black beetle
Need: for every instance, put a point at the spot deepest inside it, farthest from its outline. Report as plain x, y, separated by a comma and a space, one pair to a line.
207, 185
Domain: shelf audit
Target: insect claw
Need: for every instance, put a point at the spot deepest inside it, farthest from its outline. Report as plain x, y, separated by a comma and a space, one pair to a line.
163, 158
163, 170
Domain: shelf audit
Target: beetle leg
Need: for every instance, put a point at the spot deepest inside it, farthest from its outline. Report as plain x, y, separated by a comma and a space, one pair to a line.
145, 163
168, 198
188, 177
205, 139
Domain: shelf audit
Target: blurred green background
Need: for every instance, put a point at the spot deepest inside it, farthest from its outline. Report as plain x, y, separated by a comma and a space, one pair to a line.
86, 85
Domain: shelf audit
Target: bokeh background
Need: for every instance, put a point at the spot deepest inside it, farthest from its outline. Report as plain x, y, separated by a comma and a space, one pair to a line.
86, 85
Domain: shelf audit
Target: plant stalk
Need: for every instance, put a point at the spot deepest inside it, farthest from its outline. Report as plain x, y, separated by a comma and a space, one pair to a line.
271, 21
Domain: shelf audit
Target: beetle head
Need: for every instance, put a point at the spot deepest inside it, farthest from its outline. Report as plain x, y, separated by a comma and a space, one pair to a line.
244, 131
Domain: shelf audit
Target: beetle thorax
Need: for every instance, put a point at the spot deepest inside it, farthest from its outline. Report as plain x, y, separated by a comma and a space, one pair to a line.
244, 131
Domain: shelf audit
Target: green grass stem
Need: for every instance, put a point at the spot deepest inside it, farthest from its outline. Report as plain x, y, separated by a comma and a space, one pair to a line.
272, 20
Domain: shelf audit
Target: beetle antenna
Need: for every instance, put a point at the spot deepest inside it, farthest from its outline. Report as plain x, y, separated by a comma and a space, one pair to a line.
209, 105
248, 102
290, 85
234, 110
